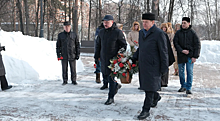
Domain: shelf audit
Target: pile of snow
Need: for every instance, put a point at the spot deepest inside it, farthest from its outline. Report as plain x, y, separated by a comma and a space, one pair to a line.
31, 58
210, 52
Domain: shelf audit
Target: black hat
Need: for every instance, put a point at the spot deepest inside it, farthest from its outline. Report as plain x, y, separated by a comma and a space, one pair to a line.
66, 23
107, 18
148, 16
186, 19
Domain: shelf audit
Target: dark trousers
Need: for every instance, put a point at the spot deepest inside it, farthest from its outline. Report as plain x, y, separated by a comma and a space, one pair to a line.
65, 69
149, 97
4, 83
112, 85
164, 78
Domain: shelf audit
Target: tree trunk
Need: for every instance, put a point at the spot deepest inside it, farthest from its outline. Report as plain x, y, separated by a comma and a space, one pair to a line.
100, 11
90, 9
37, 18
148, 6
170, 10
75, 29
70, 11
192, 11
216, 26
155, 7
97, 14
20, 15
48, 20
27, 16
14, 15
65, 8
81, 10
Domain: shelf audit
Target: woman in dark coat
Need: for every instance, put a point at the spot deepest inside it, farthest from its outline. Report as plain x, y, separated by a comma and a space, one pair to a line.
4, 83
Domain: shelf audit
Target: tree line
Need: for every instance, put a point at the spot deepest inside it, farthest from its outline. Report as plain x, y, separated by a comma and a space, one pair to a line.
43, 18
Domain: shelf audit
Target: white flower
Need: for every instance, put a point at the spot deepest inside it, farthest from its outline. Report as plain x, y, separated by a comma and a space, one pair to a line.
123, 60
130, 61
117, 67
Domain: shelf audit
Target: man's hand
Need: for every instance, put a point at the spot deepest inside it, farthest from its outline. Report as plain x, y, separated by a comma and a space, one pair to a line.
185, 52
193, 60
77, 57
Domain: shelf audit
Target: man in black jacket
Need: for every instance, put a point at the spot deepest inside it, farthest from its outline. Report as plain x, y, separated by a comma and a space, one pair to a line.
152, 56
109, 41
68, 50
188, 46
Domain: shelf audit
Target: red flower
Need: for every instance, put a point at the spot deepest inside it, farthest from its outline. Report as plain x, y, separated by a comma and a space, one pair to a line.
123, 74
94, 65
133, 65
121, 65
115, 61
119, 60
135, 41
115, 72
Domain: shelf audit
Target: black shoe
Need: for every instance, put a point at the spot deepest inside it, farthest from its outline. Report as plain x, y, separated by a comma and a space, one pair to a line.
188, 92
143, 115
139, 88
104, 87
74, 82
154, 104
164, 85
64, 82
182, 89
109, 101
117, 88
9, 87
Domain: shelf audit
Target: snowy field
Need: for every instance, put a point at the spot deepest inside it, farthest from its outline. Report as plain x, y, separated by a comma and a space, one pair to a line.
37, 94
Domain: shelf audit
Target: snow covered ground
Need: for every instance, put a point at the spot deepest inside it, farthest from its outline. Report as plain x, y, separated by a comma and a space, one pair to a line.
37, 93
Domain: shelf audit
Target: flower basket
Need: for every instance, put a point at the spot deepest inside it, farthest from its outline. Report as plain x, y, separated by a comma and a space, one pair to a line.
122, 67
125, 80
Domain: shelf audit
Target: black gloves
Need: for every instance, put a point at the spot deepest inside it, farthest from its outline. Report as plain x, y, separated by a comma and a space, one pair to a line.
77, 57
133, 60
96, 61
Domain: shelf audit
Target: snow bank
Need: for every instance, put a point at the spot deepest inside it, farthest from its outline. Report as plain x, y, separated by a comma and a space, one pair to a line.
31, 58
210, 52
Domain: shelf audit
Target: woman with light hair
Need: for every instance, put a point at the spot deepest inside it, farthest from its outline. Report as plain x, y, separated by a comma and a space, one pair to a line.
133, 36
120, 26
165, 28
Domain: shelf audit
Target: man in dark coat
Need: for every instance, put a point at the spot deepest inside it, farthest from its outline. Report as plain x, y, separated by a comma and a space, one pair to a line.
4, 83
188, 46
152, 56
68, 50
109, 41
98, 62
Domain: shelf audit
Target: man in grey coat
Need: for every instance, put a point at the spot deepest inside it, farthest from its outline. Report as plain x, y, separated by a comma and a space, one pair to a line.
4, 83
152, 55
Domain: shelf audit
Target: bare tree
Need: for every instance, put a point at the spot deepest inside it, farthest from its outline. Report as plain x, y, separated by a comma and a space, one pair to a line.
37, 18
170, 13
20, 16
90, 11
27, 16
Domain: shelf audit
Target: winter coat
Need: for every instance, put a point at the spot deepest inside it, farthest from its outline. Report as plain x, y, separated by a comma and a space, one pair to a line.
170, 51
97, 33
133, 36
68, 46
152, 56
2, 68
109, 41
186, 39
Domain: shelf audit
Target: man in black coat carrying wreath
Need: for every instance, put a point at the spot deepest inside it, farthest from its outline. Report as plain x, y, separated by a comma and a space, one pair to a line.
109, 41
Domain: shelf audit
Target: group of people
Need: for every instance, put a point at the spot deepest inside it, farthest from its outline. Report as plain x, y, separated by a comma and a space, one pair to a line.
155, 49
